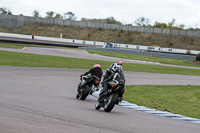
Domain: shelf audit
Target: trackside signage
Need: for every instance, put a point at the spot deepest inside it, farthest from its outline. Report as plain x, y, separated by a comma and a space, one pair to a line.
102, 44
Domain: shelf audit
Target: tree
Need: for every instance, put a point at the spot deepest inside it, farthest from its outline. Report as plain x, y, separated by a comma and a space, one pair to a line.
70, 16
5, 11
142, 21
129, 24
84, 19
181, 26
36, 13
171, 24
160, 25
58, 16
9, 12
112, 20
50, 14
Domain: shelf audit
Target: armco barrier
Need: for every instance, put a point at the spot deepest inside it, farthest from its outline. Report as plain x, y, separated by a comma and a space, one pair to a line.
145, 53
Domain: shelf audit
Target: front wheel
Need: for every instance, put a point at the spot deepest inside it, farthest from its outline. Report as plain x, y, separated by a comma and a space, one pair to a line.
77, 96
85, 92
109, 105
97, 106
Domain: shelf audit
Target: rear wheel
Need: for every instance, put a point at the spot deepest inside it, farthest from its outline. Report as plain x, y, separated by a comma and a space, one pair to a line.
85, 92
109, 105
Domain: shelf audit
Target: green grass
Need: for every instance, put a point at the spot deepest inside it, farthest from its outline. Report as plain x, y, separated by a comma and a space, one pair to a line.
34, 60
119, 55
146, 58
20, 46
184, 100
5, 45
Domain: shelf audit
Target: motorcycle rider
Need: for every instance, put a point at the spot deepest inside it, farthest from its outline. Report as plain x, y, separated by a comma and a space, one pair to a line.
111, 70
115, 76
95, 71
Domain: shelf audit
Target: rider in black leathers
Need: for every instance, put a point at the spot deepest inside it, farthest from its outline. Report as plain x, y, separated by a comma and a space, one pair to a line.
95, 71
111, 70
116, 76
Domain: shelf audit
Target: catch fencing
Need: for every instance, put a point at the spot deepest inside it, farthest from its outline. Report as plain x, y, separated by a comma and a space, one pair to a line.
14, 21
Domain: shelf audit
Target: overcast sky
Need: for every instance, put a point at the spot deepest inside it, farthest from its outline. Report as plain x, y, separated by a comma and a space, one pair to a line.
185, 12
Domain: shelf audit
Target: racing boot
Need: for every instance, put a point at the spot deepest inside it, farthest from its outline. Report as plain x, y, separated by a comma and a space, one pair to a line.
119, 99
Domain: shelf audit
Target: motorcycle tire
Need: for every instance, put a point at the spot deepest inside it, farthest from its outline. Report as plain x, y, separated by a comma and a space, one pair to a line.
97, 106
85, 93
111, 103
77, 96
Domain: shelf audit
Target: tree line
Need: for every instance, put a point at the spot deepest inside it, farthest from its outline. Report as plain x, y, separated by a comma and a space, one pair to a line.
142, 21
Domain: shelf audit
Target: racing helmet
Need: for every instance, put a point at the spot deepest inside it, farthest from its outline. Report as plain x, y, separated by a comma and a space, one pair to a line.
118, 68
120, 63
97, 65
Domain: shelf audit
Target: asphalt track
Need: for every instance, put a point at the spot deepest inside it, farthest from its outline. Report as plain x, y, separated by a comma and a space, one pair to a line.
43, 100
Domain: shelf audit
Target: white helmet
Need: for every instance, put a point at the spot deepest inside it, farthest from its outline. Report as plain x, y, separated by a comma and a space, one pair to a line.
116, 67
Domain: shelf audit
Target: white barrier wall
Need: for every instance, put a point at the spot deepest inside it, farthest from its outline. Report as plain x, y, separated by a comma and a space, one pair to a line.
128, 46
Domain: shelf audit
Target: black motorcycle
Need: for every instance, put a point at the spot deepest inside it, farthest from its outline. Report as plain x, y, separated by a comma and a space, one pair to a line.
109, 100
85, 87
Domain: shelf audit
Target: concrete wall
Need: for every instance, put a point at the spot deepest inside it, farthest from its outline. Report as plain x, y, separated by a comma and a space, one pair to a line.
13, 21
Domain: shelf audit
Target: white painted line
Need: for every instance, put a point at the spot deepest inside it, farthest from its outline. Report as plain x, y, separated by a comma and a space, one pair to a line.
130, 59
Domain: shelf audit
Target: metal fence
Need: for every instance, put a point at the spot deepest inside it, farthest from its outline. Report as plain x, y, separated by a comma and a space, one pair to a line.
14, 21
144, 53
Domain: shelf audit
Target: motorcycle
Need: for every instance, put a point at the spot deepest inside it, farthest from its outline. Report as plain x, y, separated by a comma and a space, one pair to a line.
109, 100
85, 87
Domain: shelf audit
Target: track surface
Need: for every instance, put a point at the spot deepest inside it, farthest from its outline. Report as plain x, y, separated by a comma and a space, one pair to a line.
43, 100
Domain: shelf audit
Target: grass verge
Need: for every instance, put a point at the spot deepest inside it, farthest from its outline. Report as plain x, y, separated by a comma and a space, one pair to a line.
20, 46
6, 45
113, 54
146, 58
34, 60
184, 100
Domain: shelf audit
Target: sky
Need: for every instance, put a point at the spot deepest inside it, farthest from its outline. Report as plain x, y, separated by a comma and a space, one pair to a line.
186, 12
